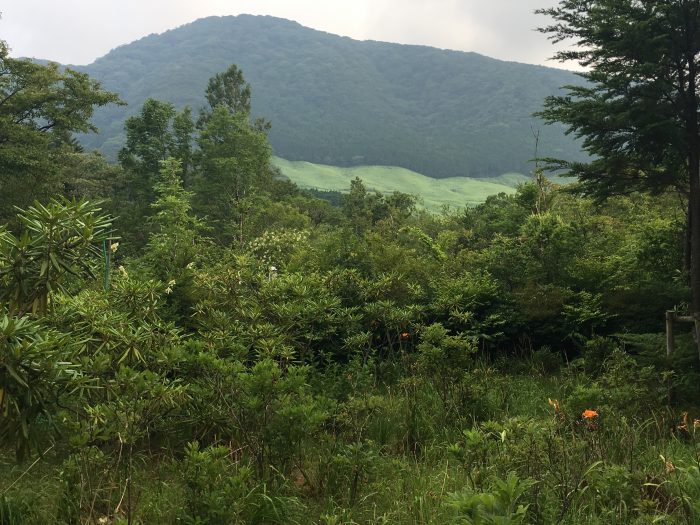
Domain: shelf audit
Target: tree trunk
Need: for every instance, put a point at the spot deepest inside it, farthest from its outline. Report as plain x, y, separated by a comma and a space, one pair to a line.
694, 197
693, 144
694, 167
687, 242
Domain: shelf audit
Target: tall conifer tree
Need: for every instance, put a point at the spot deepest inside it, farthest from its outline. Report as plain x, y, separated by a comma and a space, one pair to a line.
638, 113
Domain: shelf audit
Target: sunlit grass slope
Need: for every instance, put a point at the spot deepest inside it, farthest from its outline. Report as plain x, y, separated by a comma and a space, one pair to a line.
455, 192
508, 179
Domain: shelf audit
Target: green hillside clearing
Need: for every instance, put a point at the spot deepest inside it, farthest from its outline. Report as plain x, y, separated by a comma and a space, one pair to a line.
455, 192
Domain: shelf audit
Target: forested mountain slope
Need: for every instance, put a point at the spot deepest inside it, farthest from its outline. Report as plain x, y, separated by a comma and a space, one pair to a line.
338, 101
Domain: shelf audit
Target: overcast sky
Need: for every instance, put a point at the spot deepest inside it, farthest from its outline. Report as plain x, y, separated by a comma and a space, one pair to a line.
79, 31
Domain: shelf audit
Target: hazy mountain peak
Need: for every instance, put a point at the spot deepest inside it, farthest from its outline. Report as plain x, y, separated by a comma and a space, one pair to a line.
341, 101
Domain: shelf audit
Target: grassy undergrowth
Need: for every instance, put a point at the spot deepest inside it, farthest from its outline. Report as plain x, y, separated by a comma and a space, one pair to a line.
495, 447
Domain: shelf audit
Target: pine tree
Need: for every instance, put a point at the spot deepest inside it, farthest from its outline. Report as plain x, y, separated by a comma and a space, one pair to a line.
638, 112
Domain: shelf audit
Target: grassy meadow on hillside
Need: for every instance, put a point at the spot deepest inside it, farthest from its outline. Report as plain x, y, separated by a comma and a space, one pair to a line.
433, 194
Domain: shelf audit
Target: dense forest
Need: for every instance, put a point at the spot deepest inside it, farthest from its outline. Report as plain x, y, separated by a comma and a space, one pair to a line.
185, 337
343, 102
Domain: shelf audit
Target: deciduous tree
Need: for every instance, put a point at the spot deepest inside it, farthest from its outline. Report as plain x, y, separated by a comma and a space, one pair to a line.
41, 106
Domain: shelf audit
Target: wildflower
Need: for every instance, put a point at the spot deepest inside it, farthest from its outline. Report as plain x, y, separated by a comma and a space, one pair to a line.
405, 335
589, 414
554, 404
685, 425
190, 266
114, 247
122, 271
670, 467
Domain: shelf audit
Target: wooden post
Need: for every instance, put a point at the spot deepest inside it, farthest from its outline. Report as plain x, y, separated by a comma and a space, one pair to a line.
670, 340
671, 318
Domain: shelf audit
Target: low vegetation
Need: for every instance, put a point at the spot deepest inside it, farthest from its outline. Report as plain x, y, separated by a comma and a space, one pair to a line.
382, 366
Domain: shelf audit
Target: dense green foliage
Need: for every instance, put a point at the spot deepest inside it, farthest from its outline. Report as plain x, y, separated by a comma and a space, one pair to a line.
638, 114
211, 345
40, 108
367, 365
342, 102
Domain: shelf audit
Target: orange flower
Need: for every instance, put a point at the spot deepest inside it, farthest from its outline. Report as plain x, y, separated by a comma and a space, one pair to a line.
405, 335
589, 414
554, 404
670, 467
685, 424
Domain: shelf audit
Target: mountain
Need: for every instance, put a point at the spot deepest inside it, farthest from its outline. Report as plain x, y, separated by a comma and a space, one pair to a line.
338, 101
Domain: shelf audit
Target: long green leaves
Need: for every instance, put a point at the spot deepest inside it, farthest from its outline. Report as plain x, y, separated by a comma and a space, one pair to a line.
34, 371
56, 240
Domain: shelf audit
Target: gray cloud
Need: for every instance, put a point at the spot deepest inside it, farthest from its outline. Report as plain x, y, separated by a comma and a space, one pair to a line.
79, 31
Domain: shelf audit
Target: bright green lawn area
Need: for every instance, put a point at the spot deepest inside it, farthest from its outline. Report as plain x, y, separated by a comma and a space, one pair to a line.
507, 179
455, 192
